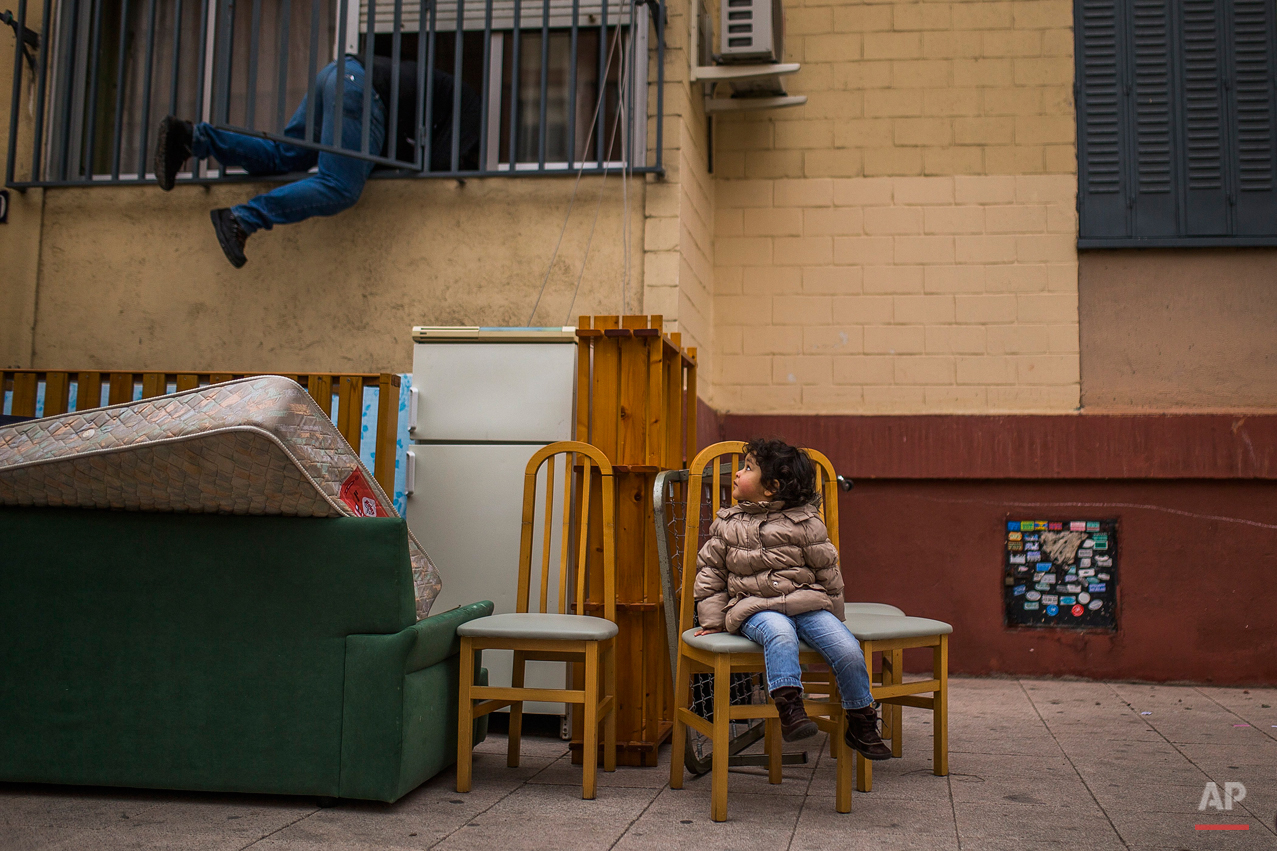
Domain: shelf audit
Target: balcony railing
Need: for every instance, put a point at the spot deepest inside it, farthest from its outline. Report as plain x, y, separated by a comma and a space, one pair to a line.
545, 86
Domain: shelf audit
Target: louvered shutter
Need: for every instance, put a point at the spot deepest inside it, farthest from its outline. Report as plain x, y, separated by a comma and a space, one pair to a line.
1251, 26
1101, 113
1149, 110
1202, 106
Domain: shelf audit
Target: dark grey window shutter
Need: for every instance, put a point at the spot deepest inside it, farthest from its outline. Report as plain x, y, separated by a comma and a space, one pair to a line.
1203, 109
1102, 196
1151, 111
1252, 91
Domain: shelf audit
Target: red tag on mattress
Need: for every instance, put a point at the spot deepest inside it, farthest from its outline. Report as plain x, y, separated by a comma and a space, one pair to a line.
359, 497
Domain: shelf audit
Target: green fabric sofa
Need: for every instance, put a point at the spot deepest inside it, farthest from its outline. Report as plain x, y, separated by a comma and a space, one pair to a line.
221, 653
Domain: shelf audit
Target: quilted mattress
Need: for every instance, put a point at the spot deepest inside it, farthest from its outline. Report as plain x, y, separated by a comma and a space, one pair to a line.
253, 446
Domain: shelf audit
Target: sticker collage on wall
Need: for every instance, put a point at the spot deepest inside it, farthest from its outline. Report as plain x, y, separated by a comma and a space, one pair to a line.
1061, 573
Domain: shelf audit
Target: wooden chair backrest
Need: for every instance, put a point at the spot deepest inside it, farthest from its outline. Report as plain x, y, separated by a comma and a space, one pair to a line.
716, 465
576, 537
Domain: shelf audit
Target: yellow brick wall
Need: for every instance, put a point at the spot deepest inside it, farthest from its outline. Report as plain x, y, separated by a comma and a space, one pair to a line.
906, 241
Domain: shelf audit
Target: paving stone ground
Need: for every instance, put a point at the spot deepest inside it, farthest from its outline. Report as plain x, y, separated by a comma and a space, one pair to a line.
1035, 765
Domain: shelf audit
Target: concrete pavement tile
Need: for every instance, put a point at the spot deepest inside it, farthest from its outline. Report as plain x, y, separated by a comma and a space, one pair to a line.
875, 823
1177, 829
552, 818
679, 820
538, 746
1143, 796
978, 822
563, 773
1061, 794
1257, 752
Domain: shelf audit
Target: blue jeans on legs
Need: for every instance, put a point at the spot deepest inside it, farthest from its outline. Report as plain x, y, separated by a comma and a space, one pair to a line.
340, 180
779, 635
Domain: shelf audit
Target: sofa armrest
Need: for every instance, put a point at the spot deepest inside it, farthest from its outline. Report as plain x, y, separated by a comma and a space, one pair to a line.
436, 636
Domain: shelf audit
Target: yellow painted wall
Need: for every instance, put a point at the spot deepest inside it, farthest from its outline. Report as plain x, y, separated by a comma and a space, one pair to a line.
904, 242
132, 277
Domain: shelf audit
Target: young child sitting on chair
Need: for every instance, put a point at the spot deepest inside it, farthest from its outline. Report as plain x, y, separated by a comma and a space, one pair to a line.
770, 573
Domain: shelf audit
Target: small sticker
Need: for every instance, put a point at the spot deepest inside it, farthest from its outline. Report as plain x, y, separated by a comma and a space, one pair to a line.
1015, 546
1018, 590
1039, 525
1090, 571
1087, 544
1032, 546
1034, 556
1095, 605
1103, 561
1029, 607
1101, 545
1068, 600
1016, 559
1077, 610
1022, 568
1077, 526
1072, 577
1048, 577
358, 496
1033, 595
1084, 562
1084, 597
1032, 537
1015, 536
1096, 588
1073, 589
1055, 527
1092, 525
1050, 599
1102, 576
1026, 525
1043, 586
1053, 610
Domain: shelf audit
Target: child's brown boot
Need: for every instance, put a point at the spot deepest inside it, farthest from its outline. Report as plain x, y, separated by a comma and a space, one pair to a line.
862, 733
794, 723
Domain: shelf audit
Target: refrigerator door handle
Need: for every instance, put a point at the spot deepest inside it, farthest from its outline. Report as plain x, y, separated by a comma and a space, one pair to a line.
410, 473
413, 395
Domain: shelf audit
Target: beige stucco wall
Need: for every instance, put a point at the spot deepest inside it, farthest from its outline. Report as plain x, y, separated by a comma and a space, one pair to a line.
1175, 329
904, 242
134, 278
20, 238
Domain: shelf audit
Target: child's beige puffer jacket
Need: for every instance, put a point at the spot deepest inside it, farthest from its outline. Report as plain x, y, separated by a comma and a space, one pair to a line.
765, 557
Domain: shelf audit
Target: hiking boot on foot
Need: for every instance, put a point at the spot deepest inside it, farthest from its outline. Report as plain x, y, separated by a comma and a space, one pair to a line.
172, 149
230, 235
794, 723
862, 733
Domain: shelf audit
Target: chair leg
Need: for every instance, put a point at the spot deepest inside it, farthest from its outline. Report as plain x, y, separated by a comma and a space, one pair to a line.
609, 721
722, 737
842, 767
775, 751
885, 679
940, 708
590, 741
678, 735
465, 716
516, 713
895, 709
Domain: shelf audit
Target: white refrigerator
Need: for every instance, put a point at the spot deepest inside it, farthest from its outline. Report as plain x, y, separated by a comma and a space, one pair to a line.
485, 400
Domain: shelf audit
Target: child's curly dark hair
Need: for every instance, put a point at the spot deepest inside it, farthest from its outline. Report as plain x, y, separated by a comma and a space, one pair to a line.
786, 471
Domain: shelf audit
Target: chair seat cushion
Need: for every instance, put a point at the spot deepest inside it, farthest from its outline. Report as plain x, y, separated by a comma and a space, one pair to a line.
871, 609
726, 642
538, 625
882, 627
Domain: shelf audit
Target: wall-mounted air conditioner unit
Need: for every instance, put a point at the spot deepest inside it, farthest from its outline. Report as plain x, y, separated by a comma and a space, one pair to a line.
751, 31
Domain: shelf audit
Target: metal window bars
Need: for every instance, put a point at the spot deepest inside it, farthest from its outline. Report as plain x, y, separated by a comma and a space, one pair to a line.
547, 86
669, 502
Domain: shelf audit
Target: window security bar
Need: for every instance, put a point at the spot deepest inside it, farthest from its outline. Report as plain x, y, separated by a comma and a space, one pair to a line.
459, 88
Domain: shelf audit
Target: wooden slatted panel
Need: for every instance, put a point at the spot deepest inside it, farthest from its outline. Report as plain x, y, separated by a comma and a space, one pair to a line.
1254, 45
57, 393
320, 388
584, 350
604, 398
1204, 118
1101, 118
25, 393
672, 455
631, 436
565, 540
690, 447
88, 391
387, 443
154, 384
655, 400
1155, 203
583, 559
187, 381
350, 407
547, 528
120, 389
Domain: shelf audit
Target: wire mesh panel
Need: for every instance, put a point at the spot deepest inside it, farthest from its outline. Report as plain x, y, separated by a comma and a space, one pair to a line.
670, 503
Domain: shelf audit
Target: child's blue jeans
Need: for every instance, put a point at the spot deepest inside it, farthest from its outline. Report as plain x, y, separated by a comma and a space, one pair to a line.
779, 635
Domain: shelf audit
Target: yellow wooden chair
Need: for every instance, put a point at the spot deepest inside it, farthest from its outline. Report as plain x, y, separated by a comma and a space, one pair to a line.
550, 632
722, 655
